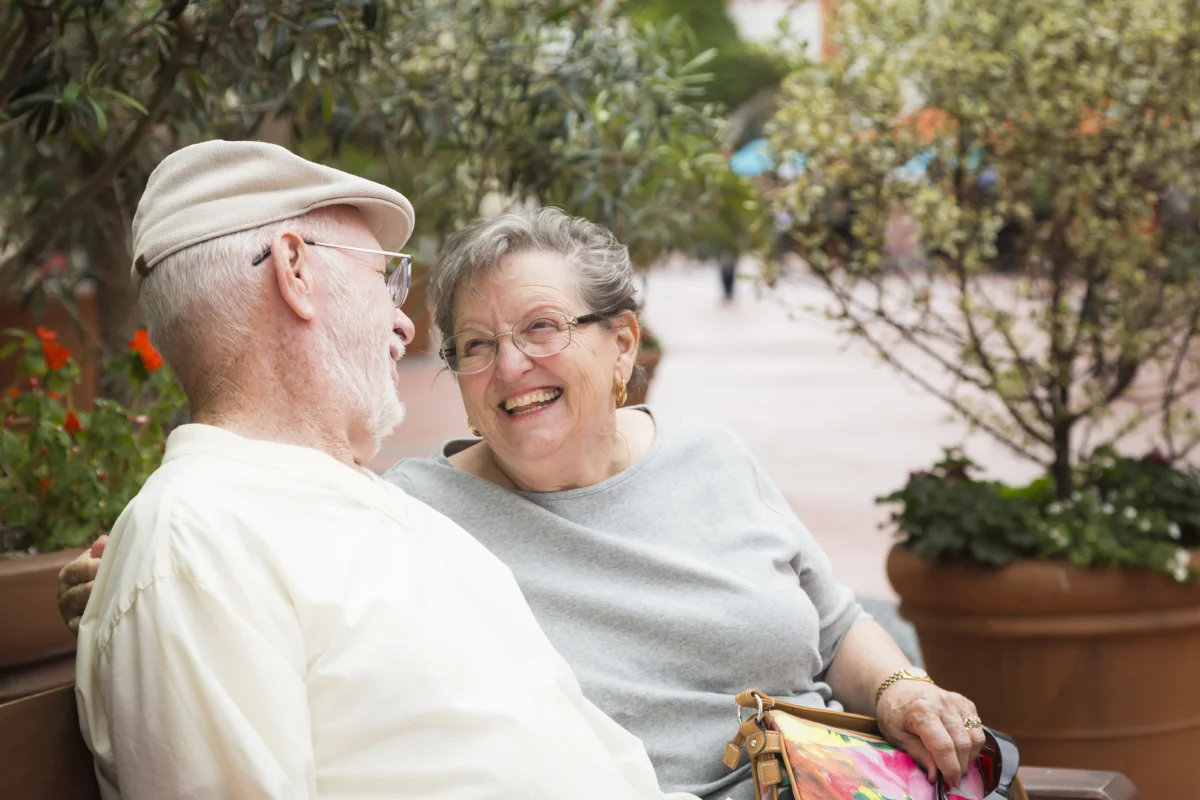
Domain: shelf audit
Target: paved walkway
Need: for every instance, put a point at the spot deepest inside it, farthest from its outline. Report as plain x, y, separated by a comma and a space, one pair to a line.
833, 426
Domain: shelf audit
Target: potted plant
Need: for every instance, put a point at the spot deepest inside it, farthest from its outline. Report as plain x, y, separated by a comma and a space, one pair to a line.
1044, 159
649, 354
65, 476
1040, 607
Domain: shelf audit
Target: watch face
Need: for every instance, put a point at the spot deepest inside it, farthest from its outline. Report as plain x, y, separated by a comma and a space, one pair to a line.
917, 672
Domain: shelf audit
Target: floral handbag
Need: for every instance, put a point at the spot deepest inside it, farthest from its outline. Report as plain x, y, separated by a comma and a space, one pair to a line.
799, 753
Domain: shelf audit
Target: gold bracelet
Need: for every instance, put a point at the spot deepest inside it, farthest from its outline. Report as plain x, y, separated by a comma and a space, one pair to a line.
908, 674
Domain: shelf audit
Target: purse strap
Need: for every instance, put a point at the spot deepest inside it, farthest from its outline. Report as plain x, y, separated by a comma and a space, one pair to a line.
855, 723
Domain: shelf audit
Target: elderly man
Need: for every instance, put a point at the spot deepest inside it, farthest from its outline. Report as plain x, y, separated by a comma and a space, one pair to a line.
272, 620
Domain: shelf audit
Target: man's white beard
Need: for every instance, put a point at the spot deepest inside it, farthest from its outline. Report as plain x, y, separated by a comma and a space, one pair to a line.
359, 362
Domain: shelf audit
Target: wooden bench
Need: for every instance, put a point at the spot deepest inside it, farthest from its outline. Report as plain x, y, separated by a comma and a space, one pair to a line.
43, 757
42, 754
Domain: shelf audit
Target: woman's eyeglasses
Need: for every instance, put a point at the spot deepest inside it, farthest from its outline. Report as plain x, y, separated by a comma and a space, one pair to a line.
537, 336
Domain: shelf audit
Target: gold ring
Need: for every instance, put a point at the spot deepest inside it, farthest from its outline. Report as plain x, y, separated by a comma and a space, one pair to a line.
972, 722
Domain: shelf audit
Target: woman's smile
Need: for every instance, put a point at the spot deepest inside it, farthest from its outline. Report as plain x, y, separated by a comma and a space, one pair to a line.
531, 402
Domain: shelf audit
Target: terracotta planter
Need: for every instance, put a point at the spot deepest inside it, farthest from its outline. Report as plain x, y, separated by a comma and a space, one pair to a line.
1094, 669
416, 307
36, 649
648, 359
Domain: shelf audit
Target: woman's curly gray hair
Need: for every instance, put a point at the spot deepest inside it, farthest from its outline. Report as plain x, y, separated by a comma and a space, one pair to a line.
600, 263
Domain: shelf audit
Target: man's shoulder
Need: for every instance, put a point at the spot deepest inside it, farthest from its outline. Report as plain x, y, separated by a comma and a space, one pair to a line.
192, 524
191, 518
184, 493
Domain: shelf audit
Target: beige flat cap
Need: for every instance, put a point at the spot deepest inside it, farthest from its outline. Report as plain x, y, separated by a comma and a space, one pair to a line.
211, 189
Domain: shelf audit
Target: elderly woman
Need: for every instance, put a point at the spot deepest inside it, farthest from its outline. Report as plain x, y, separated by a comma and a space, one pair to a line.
657, 555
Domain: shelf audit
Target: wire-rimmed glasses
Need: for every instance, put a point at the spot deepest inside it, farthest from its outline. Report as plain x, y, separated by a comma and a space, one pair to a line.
399, 267
537, 336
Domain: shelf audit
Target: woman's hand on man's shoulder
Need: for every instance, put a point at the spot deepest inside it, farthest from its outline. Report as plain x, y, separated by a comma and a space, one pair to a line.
75, 584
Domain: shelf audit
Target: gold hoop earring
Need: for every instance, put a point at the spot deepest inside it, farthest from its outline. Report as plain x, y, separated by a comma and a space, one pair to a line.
620, 392
471, 428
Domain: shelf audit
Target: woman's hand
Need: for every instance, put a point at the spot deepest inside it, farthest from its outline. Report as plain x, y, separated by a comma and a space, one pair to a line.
75, 584
929, 724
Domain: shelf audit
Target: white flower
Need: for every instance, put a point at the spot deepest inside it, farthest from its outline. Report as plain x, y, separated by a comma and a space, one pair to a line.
1130, 512
1076, 497
1173, 530
1059, 537
1107, 508
1144, 526
1179, 565
1054, 509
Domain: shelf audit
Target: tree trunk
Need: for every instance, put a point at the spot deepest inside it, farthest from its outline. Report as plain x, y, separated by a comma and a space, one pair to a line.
1063, 482
116, 299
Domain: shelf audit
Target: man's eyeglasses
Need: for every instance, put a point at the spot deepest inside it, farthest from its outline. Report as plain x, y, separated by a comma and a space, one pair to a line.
537, 336
399, 267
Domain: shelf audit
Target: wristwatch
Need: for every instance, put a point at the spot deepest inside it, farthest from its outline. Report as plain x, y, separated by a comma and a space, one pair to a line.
908, 674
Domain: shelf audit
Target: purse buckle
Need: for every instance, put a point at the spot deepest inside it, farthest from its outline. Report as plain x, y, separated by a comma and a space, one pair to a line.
758, 714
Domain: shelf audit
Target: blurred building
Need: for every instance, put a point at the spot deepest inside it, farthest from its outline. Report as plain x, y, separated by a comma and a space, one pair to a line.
758, 21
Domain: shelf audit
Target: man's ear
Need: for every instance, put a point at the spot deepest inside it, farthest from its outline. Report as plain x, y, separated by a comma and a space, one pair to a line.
628, 335
292, 260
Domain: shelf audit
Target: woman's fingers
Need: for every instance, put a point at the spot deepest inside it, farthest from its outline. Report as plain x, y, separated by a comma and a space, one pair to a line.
963, 745
74, 587
81, 570
71, 604
98, 546
930, 724
966, 710
938, 744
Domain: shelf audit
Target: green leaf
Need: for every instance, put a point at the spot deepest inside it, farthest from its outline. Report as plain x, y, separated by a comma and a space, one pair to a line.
125, 100
321, 23
101, 119
702, 58
297, 63
70, 92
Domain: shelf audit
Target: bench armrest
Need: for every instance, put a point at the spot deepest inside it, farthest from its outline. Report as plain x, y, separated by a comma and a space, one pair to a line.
1076, 784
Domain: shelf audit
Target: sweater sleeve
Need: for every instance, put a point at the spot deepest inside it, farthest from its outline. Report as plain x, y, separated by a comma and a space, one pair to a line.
835, 602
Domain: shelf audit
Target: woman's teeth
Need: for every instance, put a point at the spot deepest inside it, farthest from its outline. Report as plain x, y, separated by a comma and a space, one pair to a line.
531, 402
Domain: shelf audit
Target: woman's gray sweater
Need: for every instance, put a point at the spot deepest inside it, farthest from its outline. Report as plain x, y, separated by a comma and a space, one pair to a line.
668, 588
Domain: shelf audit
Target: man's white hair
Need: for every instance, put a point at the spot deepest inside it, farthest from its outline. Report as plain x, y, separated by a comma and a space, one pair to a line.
197, 303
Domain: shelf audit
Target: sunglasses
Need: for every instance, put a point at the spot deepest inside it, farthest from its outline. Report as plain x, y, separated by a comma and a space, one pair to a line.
998, 763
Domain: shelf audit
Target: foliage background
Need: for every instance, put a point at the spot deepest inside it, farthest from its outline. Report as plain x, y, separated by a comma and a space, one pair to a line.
455, 104
1057, 143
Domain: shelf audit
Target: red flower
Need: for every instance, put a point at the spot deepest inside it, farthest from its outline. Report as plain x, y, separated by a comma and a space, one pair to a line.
140, 343
56, 355
54, 395
57, 262
72, 424
14, 393
44, 485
